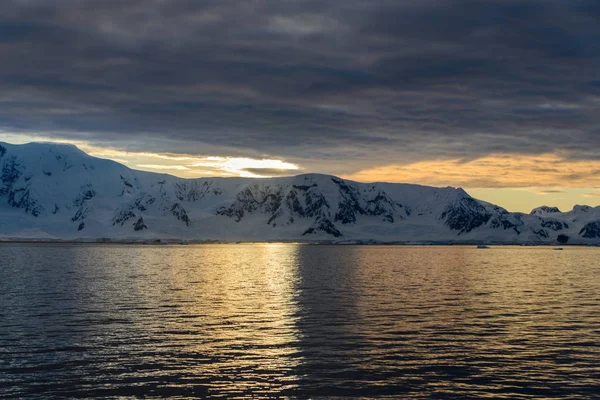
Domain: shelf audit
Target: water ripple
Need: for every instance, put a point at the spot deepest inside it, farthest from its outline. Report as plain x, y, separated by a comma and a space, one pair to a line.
293, 321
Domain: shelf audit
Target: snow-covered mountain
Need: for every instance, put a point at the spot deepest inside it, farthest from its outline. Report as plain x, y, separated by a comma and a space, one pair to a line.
57, 191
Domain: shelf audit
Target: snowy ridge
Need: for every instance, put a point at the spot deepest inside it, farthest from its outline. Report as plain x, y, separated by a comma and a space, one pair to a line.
55, 191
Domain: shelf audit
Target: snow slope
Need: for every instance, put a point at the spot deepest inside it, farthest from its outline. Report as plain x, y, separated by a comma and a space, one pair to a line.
56, 191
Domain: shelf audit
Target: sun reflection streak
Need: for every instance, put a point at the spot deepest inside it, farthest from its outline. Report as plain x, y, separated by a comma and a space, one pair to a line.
250, 309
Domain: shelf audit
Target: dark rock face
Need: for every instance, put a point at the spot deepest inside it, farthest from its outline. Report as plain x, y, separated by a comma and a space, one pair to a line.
354, 203
128, 186
562, 239
126, 182
237, 212
139, 225
21, 198
11, 172
254, 198
293, 203
123, 216
304, 201
506, 220
179, 212
81, 213
81, 226
2, 151
346, 213
542, 233
323, 224
382, 205
554, 225
501, 221
465, 215
18, 195
591, 230
194, 190
304, 187
130, 211
315, 203
350, 205
86, 194
282, 203
276, 202
545, 209
271, 203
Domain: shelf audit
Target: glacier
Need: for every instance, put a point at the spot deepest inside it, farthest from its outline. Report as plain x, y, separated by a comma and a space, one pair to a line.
51, 191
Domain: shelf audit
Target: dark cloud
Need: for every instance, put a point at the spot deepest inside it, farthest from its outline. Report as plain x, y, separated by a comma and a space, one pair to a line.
550, 191
344, 84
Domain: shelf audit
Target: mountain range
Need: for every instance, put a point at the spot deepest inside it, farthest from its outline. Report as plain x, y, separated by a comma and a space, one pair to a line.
56, 191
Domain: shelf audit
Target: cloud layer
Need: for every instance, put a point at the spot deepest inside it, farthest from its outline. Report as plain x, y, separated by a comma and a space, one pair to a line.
493, 171
337, 86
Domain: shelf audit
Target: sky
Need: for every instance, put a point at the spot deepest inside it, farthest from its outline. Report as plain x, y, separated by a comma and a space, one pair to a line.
500, 97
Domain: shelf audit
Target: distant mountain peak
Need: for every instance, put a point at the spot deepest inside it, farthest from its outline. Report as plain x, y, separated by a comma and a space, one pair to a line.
545, 210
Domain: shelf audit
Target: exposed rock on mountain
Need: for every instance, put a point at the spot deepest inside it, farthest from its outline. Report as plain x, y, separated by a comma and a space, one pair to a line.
139, 225
59, 191
543, 210
591, 230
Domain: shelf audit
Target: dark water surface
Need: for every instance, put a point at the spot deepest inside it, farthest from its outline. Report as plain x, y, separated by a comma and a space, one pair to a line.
273, 320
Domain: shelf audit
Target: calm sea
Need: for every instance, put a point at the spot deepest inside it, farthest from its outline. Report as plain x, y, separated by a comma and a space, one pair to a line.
297, 321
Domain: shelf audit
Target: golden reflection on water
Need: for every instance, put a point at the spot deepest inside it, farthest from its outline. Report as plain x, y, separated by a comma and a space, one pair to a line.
243, 319
308, 321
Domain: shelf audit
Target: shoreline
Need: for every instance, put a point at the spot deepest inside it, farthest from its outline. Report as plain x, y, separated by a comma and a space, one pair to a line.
183, 242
